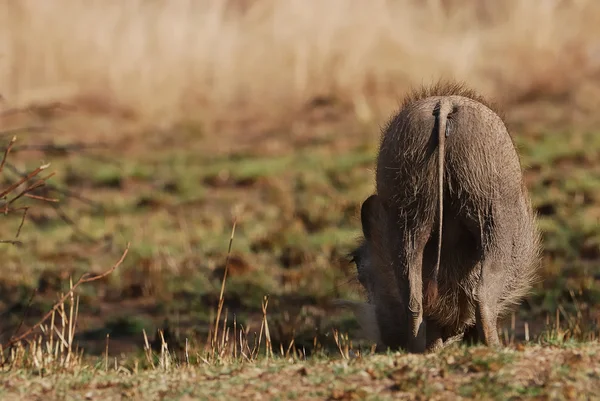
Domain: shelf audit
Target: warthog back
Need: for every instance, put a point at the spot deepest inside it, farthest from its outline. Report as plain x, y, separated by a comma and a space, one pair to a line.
450, 241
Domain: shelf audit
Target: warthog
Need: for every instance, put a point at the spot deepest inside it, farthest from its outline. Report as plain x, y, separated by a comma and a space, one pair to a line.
450, 241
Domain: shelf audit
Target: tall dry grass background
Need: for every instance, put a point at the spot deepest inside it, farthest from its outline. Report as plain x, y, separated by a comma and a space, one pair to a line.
210, 59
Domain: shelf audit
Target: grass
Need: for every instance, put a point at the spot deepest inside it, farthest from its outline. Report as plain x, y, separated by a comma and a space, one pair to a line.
266, 113
205, 60
53, 367
297, 217
568, 371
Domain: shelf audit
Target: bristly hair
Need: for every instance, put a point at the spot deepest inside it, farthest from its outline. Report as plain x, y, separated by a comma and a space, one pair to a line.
448, 88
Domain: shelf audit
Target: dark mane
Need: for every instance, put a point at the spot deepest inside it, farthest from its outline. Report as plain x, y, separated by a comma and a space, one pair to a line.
447, 88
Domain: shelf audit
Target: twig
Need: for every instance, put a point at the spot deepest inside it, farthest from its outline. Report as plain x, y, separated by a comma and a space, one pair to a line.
148, 349
221, 298
27, 308
62, 191
85, 278
24, 178
7, 210
42, 198
22, 222
106, 353
63, 216
7, 151
42, 182
10, 241
38, 184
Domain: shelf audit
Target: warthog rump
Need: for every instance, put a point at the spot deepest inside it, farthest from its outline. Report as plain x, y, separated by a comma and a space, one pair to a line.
450, 241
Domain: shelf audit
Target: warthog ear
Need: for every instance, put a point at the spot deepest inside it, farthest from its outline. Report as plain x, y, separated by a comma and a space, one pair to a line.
369, 212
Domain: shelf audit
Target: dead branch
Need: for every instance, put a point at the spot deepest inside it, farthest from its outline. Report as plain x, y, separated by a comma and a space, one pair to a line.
24, 178
11, 242
26, 313
5, 206
7, 151
34, 186
56, 207
85, 278
25, 209
42, 198
65, 192
63, 216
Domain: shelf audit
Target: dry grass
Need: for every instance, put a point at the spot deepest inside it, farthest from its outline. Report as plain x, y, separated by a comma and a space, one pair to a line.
38, 352
237, 360
166, 61
53, 367
222, 59
49, 345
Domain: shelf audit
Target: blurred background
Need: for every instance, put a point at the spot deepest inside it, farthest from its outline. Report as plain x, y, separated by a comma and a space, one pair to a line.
162, 120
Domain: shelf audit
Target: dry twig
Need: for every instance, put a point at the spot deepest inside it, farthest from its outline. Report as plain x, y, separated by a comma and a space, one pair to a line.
7, 151
222, 294
5, 206
23, 179
61, 191
85, 278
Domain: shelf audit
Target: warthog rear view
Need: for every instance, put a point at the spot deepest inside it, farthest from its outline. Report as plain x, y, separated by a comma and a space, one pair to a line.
450, 241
